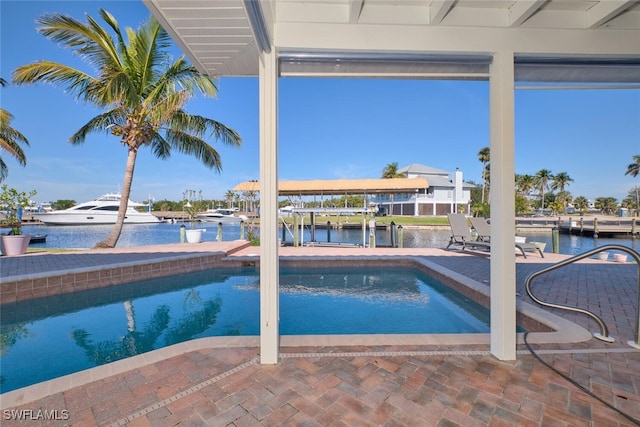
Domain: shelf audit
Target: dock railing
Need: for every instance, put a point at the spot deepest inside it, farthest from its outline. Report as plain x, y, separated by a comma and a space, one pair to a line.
604, 331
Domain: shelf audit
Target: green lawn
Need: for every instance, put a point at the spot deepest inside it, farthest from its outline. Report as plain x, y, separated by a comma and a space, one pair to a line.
398, 220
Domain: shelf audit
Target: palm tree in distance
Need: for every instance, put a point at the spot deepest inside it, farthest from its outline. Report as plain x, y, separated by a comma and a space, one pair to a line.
524, 184
558, 183
10, 140
633, 169
142, 91
581, 203
228, 197
542, 178
484, 155
389, 172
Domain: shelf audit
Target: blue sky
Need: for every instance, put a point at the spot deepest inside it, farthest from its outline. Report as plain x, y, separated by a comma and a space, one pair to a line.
329, 128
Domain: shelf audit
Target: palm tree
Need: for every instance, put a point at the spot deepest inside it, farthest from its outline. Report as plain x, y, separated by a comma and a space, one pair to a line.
560, 180
634, 193
10, 140
558, 183
484, 155
391, 171
633, 169
228, 197
606, 204
525, 183
581, 203
542, 178
142, 92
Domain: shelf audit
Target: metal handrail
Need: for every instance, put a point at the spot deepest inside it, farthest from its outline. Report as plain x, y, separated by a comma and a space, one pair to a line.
604, 331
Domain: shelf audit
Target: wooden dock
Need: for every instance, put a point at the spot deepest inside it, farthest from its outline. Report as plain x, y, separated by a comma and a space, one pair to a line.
600, 227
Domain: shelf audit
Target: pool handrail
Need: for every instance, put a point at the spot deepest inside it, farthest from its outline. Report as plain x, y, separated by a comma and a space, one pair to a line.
604, 331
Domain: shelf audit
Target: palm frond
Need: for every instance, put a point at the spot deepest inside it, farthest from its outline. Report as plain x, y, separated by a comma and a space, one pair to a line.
161, 111
196, 147
9, 146
121, 45
186, 76
75, 81
144, 49
107, 122
90, 40
203, 126
4, 170
10, 138
160, 147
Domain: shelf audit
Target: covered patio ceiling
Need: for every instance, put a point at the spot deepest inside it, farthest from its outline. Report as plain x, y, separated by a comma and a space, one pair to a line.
553, 40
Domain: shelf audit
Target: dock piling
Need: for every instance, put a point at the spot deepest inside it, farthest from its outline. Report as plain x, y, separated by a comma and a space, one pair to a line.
393, 234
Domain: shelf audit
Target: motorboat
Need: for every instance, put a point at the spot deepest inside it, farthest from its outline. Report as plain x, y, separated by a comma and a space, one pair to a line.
220, 215
103, 210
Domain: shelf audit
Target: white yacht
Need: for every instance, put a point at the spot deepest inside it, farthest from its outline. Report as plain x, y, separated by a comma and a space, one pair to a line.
103, 210
220, 215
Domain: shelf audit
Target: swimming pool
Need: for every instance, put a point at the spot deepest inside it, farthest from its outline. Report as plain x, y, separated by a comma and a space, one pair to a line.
50, 337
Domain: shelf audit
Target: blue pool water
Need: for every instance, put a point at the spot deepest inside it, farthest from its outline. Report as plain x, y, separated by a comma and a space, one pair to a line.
55, 336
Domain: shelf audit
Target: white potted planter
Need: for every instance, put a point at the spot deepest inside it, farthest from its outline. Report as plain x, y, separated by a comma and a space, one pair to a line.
620, 257
602, 256
194, 235
15, 244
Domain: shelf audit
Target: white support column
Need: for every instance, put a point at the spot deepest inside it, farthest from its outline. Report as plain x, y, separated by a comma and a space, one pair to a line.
503, 270
269, 264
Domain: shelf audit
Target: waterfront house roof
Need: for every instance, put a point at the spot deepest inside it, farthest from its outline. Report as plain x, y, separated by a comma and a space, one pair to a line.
417, 168
435, 177
340, 186
437, 181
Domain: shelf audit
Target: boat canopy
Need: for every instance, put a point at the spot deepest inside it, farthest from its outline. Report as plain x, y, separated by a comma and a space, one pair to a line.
341, 186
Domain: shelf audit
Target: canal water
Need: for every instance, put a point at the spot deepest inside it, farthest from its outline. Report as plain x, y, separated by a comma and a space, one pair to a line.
82, 237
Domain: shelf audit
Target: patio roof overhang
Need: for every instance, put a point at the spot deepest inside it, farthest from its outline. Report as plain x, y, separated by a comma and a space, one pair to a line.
318, 187
553, 40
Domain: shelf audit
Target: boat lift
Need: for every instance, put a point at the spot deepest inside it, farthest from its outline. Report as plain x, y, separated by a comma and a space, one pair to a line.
327, 211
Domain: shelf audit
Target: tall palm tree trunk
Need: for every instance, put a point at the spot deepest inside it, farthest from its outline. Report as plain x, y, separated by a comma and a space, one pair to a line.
113, 237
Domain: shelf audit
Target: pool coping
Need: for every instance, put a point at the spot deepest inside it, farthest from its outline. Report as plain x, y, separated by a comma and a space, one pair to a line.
563, 331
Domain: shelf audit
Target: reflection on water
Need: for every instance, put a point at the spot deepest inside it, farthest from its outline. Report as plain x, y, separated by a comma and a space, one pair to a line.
394, 285
86, 236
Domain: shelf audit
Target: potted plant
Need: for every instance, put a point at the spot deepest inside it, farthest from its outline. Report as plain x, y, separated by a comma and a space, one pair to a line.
193, 205
12, 202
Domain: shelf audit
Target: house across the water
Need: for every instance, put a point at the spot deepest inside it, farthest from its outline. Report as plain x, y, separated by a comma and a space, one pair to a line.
424, 191
446, 193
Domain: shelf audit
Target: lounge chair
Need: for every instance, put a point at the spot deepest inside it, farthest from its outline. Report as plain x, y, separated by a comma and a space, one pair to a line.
483, 229
461, 234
